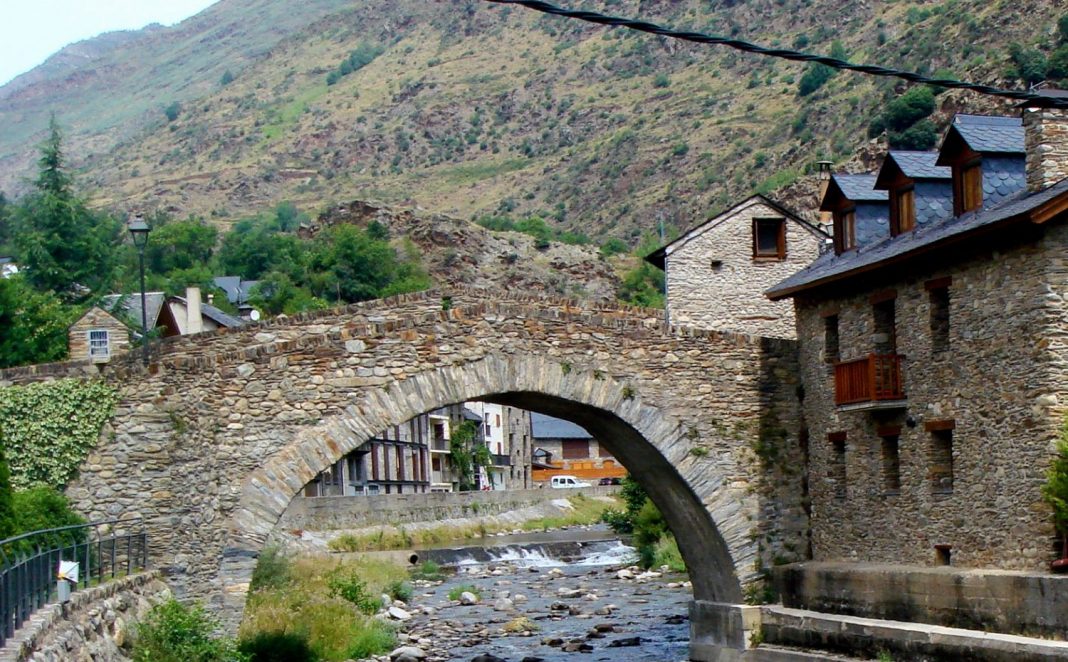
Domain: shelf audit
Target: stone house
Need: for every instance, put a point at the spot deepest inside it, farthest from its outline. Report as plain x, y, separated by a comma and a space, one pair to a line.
860, 213
97, 336
934, 357
716, 272
506, 433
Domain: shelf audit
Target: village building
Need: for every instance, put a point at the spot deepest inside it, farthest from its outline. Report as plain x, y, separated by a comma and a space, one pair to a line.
935, 356
97, 336
860, 214
716, 272
564, 448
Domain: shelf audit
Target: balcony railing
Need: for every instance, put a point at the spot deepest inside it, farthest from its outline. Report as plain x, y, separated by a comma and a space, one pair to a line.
501, 460
439, 445
875, 378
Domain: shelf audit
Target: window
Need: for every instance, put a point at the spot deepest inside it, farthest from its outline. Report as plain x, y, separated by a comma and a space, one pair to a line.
845, 230
968, 186
836, 473
831, 348
885, 337
941, 463
891, 465
903, 210
939, 300
99, 345
769, 238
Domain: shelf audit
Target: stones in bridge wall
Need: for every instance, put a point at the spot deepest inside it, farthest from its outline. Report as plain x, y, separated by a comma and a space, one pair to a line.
354, 512
989, 600
95, 625
714, 282
1000, 384
211, 444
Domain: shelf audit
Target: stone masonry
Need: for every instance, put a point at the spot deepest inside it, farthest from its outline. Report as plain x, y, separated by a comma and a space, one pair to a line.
714, 282
95, 625
213, 441
1046, 137
999, 388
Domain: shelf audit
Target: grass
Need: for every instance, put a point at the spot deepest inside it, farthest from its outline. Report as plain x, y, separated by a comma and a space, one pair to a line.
298, 601
454, 593
667, 553
584, 511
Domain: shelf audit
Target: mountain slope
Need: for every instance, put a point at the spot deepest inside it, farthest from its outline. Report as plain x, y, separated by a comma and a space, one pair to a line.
473, 108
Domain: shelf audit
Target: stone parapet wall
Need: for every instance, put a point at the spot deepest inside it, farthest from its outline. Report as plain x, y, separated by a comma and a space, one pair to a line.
995, 601
355, 512
1000, 384
95, 625
1046, 140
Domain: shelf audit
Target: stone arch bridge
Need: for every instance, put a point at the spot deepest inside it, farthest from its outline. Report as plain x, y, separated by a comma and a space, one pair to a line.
211, 442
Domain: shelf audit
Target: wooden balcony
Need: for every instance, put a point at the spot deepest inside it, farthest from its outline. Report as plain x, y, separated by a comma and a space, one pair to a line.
873, 382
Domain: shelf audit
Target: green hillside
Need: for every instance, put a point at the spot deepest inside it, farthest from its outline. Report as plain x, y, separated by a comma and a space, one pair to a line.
469, 108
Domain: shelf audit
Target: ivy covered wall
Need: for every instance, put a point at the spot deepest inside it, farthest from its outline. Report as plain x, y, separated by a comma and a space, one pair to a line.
48, 428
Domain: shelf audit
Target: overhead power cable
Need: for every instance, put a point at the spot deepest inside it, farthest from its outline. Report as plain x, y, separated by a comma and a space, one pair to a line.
786, 54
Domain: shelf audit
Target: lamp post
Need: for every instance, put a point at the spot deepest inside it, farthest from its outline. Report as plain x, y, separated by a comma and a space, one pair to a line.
139, 233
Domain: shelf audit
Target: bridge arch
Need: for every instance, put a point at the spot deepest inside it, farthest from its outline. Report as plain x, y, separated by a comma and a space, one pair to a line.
634, 423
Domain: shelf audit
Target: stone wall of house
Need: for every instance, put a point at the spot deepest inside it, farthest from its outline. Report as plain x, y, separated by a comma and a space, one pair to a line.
1000, 385
96, 624
78, 334
350, 513
213, 440
714, 282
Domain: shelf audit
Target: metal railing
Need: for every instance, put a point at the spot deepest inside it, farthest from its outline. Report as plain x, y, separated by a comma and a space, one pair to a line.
876, 377
501, 460
29, 563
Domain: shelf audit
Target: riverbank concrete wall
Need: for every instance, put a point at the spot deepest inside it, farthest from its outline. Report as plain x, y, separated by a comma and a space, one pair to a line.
356, 512
1010, 602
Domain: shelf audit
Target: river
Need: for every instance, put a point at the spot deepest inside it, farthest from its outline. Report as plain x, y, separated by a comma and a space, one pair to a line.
567, 584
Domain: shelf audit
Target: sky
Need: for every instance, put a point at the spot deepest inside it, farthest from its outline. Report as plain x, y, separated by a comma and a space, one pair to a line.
32, 30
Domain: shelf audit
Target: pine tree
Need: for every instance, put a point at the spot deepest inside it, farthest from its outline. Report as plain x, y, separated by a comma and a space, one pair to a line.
1056, 489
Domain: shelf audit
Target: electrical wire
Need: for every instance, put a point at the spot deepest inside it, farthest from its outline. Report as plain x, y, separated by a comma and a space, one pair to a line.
786, 54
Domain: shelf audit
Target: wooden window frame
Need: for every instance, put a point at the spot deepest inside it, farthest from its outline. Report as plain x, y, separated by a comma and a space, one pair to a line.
900, 222
845, 229
780, 241
967, 193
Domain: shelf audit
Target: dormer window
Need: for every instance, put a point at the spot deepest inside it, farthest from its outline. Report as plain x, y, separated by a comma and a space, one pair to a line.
902, 209
845, 230
769, 238
968, 186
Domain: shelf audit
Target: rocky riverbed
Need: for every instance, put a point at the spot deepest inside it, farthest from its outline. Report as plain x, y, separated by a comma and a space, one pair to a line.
528, 610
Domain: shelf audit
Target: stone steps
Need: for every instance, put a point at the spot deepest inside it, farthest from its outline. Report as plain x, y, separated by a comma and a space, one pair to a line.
916, 642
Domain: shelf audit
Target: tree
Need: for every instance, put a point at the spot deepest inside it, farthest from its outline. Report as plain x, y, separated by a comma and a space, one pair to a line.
921, 136
7, 507
66, 247
180, 245
466, 455
5, 225
172, 111
33, 325
1062, 28
227, 78
818, 74
1030, 64
1058, 63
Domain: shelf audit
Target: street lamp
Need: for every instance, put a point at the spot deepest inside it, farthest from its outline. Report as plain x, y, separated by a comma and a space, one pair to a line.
139, 233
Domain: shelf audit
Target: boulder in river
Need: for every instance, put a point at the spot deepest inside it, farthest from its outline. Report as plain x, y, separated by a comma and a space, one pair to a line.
468, 598
407, 654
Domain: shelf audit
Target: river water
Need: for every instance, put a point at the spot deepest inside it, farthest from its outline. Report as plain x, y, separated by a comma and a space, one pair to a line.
567, 584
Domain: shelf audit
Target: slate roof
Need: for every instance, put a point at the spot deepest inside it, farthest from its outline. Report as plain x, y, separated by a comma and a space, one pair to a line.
830, 267
547, 427
130, 307
1003, 176
237, 290
859, 188
986, 134
919, 165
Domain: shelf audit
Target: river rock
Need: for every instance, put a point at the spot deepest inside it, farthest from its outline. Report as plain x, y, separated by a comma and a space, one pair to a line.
398, 614
468, 598
624, 574
386, 601
603, 611
625, 642
559, 606
604, 627
407, 654
532, 658
555, 572
577, 647
564, 592
486, 657
519, 598
503, 604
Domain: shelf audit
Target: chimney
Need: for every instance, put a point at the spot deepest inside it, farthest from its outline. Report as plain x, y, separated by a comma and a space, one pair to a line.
824, 169
1046, 143
211, 299
195, 322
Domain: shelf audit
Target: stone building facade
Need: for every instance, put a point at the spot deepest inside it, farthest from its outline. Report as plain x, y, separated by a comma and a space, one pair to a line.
935, 385
97, 336
716, 273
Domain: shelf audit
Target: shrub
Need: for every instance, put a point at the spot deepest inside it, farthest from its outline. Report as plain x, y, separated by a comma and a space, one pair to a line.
278, 647
400, 591
922, 136
614, 246
428, 570
1055, 490
1029, 64
661, 80
1058, 63
173, 632
272, 570
172, 111
7, 500
45, 508
346, 584
1062, 28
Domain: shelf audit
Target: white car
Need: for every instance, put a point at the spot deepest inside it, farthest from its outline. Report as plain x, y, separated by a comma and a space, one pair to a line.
563, 482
